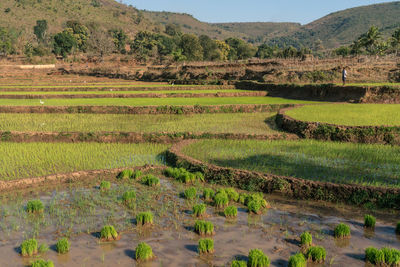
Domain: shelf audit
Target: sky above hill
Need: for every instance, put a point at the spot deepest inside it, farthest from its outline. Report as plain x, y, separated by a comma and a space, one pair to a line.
252, 10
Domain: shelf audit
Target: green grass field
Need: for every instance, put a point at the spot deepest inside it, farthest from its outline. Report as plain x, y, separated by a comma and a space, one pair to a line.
372, 84
376, 165
248, 123
96, 85
178, 101
349, 114
22, 160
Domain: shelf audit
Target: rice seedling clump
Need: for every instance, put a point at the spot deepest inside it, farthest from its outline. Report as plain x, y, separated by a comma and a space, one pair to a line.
230, 212
42, 263
384, 256
184, 176
316, 254
306, 239
190, 193
257, 258
243, 198
108, 233
254, 206
203, 227
221, 199
29, 247
206, 246
297, 260
238, 263
125, 174
342, 230
208, 194
143, 252
129, 198
105, 185
43, 248
34, 206
369, 221
150, 180
144, 218
62, 246
199, 210
232, 194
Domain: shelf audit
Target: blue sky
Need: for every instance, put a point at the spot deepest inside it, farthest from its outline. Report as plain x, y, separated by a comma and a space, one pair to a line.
303, 11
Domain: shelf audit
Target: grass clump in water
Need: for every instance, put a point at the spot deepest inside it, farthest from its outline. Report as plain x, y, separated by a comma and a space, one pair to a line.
29, 247
42, 263
150, 180
383, 257
254, 206
243, 198
230, 212
203, 227
232, 194
297, 260
129, 198
221, 199
125, 174
43, 248
144, 218
143, 252
206, 246
199, 210
62, 246
238, 263
342, 231
257, 258
306, 239
208, 194
105, 185
34, 206
316, 254
190, 193
369, 221
108, 233
184, 176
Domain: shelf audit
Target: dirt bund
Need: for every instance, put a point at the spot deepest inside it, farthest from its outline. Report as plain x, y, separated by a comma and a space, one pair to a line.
145, 95
65, 178
288, 186
129, 137
327, 92
196, 109
331, 132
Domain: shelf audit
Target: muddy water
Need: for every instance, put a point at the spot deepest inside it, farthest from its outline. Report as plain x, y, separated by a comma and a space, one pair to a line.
80, 211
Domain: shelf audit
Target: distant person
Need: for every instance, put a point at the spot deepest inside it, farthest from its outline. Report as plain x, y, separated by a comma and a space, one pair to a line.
344, 76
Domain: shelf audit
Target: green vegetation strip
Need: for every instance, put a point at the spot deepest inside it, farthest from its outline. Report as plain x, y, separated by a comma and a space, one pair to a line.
349, 114
152, 101
102, 85
375, 165
241, 123
23, 160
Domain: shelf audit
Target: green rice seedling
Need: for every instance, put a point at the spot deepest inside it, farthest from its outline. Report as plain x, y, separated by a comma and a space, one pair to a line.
374, 256
230, 212
255, 206
125, 174
43, 248
105, 185
398, 228
62, 246
257, 258
144, 218
221, 199
297, 260
199, 210
184, 176
129, 198
237, 263
143, 252
243, 198
42, 263
342, 231
190, 193
204, 227
232, 194
150, 180
392, 256
316, 254
29, 247
34, 206
199, 176
136, 174
206, 246
208, 194
306, 239
108, 233
369, 221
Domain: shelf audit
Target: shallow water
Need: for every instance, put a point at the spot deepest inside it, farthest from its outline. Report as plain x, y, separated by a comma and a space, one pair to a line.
80, 210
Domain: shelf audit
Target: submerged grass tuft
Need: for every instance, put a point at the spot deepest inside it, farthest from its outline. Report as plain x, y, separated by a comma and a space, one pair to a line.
257, 258
150, 180
108, 233
306, 239
206, 246
144, 218
199, 210
34, 206
342, 230
62, 246
316, 254
190, 193
105, 185
221, 199
230, 212
42, 263
297, 260
208, 194
369, 221
29, 247
204, 228
143, 252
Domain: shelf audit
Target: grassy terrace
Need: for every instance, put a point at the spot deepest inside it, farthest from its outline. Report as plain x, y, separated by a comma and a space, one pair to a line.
96, 85
22, 160
349, 114
248, 123
376, 165
178, 101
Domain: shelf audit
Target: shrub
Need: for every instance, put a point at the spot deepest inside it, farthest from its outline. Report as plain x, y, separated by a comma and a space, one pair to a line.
42, 263
316, 254
150, 180
203, 227
125, 174
206, 245
105, 185
199, 210
297, 260
208, 194
62, 246
306, 239
144, 252
144, 218
29, 247
230, 212
257, 258
398, 228
108, 233
237, 263
342, 230
221, 199
190, 193
129, 198
254, 206
384, 256
232, 194
34, 206
369, 221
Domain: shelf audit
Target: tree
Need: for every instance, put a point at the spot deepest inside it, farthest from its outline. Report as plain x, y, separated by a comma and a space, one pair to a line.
210, 48
266, 51
224, 49
145, 45
40, 30
191, 47
64, 42
6, 42
120, 39
355, 47
343, 51
395, 40
173, 29
100, 42
370, 40
80, 33
240, 49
